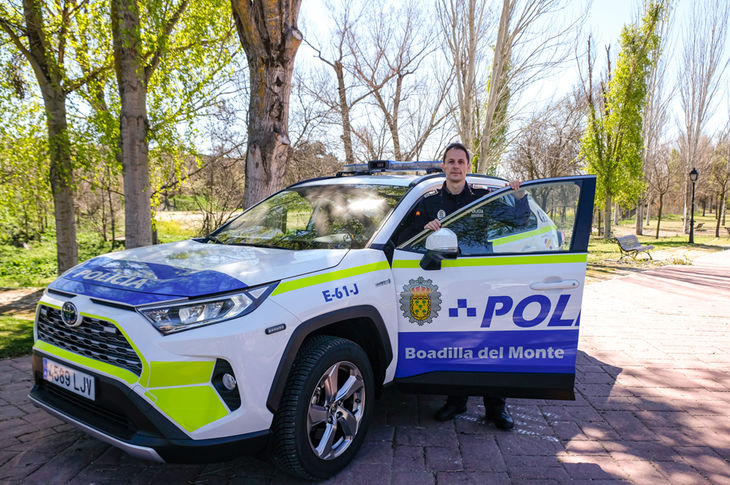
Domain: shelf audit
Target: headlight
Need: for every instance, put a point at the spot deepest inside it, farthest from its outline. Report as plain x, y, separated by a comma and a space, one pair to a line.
184, 316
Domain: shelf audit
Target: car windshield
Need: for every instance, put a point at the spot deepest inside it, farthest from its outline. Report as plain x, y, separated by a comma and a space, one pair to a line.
314, 217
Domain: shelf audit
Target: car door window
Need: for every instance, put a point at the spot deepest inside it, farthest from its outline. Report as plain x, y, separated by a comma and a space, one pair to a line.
541, 221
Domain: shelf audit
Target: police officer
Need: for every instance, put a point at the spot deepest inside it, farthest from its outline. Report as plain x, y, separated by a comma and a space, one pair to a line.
454, 194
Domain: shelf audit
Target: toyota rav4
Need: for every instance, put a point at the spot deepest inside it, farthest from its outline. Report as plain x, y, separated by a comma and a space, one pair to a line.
277, 330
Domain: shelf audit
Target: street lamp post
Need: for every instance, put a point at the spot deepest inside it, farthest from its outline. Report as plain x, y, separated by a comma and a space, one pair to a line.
693, 174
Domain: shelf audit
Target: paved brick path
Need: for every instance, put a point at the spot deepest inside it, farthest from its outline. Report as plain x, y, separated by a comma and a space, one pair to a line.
653, 406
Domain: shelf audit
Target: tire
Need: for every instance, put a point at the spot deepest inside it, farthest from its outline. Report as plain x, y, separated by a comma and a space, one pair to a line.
325, 410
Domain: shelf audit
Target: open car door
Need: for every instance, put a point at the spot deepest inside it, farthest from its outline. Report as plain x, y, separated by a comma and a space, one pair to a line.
499, 313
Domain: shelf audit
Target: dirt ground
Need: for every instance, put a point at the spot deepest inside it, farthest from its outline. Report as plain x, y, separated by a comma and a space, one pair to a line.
19, 302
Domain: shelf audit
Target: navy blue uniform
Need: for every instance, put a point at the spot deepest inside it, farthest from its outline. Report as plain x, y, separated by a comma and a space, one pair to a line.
442, 203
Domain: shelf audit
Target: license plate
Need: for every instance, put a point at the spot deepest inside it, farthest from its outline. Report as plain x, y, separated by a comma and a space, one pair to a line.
71, 379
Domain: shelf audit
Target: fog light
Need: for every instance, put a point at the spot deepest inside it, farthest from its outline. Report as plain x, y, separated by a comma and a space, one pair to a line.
229, 382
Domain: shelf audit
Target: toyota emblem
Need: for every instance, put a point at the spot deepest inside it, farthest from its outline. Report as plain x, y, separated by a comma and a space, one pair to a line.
70, 315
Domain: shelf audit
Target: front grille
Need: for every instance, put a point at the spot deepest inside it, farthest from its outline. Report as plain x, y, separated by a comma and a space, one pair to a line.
94, 338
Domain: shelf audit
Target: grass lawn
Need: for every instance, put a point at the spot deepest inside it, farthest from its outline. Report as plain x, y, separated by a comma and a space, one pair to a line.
16, 336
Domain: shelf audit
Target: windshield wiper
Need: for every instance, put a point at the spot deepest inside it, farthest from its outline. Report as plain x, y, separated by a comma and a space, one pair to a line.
214, 239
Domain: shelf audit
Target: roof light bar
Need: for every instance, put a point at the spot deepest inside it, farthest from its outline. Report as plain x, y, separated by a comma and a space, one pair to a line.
374, 166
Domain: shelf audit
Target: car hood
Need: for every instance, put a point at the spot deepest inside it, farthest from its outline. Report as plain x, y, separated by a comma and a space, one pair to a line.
188, 269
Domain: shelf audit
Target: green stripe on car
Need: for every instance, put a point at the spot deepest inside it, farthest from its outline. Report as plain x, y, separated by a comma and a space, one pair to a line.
498, 260
103, 367
190, 407
327, 277
523, 235
167, 374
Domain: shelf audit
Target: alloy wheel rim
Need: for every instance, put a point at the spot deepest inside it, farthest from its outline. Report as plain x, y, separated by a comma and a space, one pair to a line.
336, 409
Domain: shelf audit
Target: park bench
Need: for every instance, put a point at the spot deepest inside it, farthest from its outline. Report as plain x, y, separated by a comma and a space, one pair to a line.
631, 245
728, 230
699, 226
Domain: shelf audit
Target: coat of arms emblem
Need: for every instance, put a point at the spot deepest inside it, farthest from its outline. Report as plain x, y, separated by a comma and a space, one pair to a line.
420, 301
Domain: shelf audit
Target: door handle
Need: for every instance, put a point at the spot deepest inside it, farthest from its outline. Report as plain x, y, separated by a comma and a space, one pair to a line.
555, 285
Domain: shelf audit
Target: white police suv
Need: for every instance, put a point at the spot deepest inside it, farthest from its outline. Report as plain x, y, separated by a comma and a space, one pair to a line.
276, 331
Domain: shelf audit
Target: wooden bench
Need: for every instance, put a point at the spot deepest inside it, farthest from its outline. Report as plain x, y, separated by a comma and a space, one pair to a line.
699, 226
630, 245
728, 230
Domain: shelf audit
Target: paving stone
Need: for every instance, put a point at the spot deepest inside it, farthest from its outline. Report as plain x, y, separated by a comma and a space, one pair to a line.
678, 473
413, 478
472, 478
376, 452
481, 453
439, 459
410, 458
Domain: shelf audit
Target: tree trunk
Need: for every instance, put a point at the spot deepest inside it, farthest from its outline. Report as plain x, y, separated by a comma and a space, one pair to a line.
687, 202
61, 177
647, 213
640, 218
111, 214
133, 144
607, 216
47, 71
502, 56
345, 110
269, 35
659, 214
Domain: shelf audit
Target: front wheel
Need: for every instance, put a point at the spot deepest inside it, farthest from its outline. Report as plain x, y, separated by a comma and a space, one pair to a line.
326, 407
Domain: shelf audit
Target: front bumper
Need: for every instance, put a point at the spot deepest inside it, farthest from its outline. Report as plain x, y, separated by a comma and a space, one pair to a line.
120, 417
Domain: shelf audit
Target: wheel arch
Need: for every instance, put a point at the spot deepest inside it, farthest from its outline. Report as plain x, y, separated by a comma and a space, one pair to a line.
362, 324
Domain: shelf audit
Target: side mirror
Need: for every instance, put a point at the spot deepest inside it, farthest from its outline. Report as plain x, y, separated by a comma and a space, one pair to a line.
440, 245
443, 241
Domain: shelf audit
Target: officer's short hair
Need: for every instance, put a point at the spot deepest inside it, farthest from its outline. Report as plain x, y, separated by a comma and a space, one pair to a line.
458, 146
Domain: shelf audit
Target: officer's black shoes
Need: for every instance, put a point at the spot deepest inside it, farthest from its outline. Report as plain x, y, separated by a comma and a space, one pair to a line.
500, 417
454, 405
494, 411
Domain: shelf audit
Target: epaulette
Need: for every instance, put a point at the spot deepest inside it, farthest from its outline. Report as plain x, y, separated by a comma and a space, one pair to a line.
429, 194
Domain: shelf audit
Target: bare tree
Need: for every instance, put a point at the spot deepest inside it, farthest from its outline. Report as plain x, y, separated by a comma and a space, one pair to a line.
656, 112
386, 60
661, 172
311, 160
531, 40
720, 173
701, 75
269, 35
344, 101
310, 118
465, 27
549, 144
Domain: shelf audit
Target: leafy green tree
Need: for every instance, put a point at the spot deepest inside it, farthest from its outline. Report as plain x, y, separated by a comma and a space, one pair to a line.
25, 201
177, 42
40, 31
613, 141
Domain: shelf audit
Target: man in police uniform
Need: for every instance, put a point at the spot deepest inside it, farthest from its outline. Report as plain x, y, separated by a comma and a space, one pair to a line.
454, 194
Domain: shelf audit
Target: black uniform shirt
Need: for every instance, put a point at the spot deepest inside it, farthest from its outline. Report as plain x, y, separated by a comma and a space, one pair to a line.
442, 203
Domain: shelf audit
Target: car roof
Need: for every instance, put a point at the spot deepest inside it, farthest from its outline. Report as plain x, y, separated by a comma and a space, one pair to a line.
399, 180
